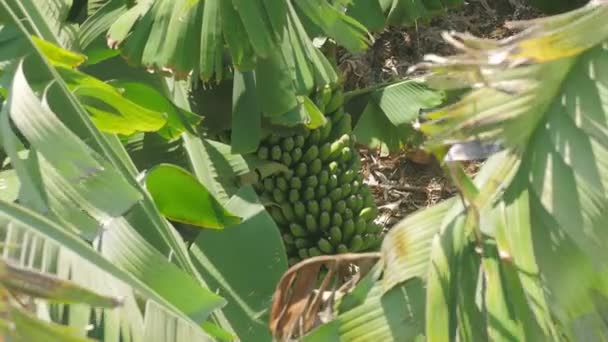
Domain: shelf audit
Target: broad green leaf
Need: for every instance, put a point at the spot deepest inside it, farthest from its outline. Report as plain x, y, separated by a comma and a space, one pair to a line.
246, 114
9, 185
90, 176
143, 216
406, 248
368, 13
296, 57
52, 231
158, 326
180, 197
407, 13
223, 172
470, 312
254, 18
397, 315
442, 282
239, 45
59, 56
29, 177
154, 269
324, 74
248, 289
557, 6
121, 27
112, 111
306, 114
344, 29
178, 120
514, 237
374, 130
550, 113
27, 327
91, 35
39, 285
274, 85
147, 150
386, 121
508, 314
45, 19
211, 39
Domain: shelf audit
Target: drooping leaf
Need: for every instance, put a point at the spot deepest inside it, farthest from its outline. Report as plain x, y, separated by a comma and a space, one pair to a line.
9, 185
177, 119
386, 122
180, 197
397, 315
59, 56
112, 111
29, 328
557, 6
81, 167
44, 286
344, 29
247, 116
248, 290
547, 206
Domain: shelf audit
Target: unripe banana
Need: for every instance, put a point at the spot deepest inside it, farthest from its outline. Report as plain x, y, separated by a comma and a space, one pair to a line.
324, 220
281, 184
314, 251
263, 153
313, 207
288, 239
325, 246
286, 159
297, 230
309, 194
276, 153
321, 191
294, 195
311, 223
342, 249
356, 244
301, 243
299, 141
288, 144
301, 170
315, 167
296, 155
336, 235
299, 209
326, 204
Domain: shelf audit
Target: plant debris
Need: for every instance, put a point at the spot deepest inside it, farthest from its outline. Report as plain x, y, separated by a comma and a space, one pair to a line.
405, 182
300, 302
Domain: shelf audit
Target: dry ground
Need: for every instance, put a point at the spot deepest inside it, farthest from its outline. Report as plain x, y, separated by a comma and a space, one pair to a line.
403, 183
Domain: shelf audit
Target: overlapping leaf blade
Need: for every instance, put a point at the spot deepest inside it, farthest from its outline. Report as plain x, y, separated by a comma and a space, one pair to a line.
551, 116
257, 237
387, 118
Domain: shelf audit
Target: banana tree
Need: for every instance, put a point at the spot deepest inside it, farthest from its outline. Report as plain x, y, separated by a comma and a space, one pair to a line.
103, 160
520, 255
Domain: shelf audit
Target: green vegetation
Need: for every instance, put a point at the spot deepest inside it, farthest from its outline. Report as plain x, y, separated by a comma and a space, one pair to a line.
163, 162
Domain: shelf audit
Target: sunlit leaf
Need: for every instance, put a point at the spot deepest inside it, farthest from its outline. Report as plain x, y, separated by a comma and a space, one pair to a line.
59, 56
257, 237
29, 328
180, 197
50, 288
112, 111
387, 119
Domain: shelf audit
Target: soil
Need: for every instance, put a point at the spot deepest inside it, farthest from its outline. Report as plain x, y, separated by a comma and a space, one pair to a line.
404, 183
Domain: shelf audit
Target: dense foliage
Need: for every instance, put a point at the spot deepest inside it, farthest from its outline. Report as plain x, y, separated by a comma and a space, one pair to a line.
145, 146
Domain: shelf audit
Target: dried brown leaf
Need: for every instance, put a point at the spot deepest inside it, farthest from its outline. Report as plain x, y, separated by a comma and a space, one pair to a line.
297, 305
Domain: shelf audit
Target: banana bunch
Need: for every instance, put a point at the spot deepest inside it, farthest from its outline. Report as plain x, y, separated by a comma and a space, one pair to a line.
322, 205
